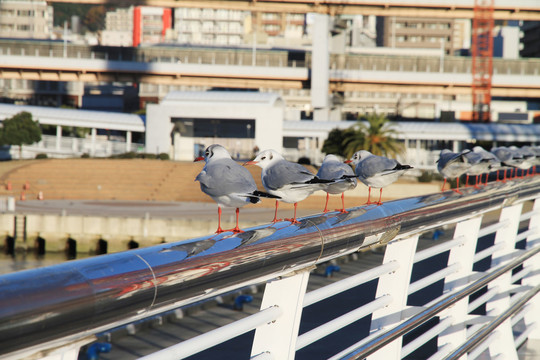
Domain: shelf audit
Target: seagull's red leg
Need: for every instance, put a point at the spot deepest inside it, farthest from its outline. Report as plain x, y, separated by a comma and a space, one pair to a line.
369, 196
275, 214
467, 181
342, 204
219, 229
326, 204
380, 197
293, 220
237, 229
443, 185
457, 186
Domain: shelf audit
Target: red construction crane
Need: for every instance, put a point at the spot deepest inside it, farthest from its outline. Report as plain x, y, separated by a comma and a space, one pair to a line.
482, 59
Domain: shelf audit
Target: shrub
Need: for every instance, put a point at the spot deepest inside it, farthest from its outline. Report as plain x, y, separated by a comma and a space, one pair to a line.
41, 156
163, 156
425, 177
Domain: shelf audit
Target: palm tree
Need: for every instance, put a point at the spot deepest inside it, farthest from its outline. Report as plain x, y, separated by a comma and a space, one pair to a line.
338, 141
376, 136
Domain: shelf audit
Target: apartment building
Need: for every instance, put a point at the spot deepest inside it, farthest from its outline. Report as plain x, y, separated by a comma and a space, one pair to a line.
210, 26
136, 25
408, 32
25, 19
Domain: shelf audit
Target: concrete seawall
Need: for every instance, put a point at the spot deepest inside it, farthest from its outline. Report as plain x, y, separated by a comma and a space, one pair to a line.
120, 233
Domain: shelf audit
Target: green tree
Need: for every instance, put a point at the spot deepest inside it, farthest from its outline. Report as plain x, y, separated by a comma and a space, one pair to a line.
379, 135
20, 130
95, 18
336, 142
375, 135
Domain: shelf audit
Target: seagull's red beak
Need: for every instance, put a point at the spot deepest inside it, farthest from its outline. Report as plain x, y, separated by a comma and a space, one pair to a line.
251, 162
200, 158
348, 161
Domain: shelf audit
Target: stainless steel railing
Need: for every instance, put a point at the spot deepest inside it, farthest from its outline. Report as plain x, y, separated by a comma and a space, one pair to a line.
70, 301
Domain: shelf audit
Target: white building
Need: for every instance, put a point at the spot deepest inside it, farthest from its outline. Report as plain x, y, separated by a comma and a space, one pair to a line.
26, 19
118, 28
184, 123
210, 26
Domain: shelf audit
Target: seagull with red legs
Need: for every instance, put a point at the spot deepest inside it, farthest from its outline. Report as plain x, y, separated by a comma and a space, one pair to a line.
333, 168
511, 158
490, 161
452, 165
376, 171
479, 166
289, 181
227, 183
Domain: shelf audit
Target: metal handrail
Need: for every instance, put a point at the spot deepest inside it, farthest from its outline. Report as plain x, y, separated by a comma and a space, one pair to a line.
83, 297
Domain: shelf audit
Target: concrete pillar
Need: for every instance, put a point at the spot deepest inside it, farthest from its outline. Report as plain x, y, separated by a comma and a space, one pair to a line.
93, 144
58, 137
128, 141
320, 72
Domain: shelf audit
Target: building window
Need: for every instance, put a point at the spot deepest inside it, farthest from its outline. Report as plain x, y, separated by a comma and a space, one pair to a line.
218, 128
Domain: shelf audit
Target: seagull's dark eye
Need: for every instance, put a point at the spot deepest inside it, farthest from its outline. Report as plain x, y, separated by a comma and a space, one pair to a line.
207, 153
264, 157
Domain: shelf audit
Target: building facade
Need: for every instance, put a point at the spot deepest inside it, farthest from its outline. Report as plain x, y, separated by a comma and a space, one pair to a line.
210, 26
25, 19
409, 32
529, 44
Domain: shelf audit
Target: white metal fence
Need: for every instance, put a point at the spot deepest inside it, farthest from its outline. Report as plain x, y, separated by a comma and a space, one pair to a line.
66, 146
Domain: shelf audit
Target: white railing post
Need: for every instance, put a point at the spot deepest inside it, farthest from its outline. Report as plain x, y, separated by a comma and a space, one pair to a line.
395, 284
278, 338
464, 255
497, 305
533, 316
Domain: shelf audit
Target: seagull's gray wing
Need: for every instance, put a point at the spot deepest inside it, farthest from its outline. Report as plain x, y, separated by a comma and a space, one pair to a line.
284, 173
373, 165
473, 157
448, 158
225, 177
334, 170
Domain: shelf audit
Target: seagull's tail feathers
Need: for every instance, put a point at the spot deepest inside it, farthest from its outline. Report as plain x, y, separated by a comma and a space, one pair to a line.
255, 196
402, 167
317, 180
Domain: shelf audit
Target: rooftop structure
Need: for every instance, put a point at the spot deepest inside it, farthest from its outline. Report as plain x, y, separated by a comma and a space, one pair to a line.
184, 123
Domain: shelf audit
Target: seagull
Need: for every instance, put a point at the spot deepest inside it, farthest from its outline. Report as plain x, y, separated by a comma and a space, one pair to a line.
478, 165
227, 182
511, 158
376, 171
332, 168
452, 165
489, 161
289, 181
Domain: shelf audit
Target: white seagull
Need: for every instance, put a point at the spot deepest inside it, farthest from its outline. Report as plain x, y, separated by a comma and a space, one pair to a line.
227, 182
332, 168
289, 181
376, 171
452, 165
489, 161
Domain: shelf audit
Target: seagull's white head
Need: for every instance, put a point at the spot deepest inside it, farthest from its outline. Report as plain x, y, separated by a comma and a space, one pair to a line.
265, 158
359, 155
330, 158
214, 152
